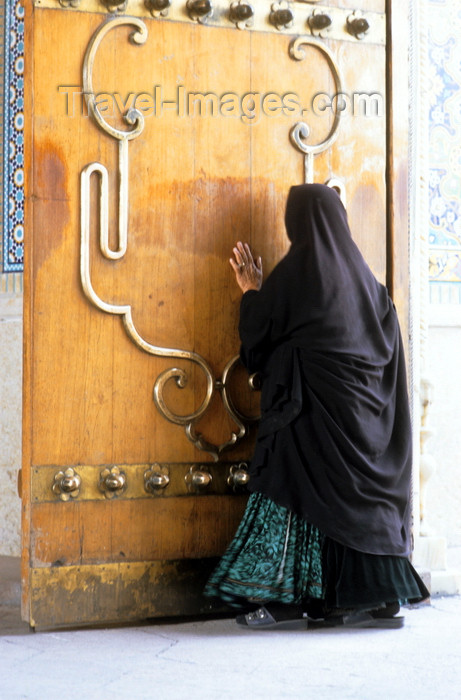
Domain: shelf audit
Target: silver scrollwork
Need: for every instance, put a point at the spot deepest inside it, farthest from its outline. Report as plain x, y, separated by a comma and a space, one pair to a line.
135, 121
189, 421
301, 131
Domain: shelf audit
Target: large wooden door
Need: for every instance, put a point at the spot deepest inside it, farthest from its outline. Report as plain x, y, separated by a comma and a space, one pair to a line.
137, 416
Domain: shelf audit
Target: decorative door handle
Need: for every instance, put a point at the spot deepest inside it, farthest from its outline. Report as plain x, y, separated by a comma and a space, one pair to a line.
66, 484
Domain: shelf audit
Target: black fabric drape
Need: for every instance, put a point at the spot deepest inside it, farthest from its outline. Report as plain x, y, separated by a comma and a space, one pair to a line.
334, 441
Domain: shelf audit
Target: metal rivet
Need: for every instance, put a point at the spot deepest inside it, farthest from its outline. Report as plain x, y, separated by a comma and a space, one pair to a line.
241, 13
281, 15
199, 10
319, 22
198, 479
66, 484
238, 476
357, 24
158, 8
156, 478
112, 481
115, 5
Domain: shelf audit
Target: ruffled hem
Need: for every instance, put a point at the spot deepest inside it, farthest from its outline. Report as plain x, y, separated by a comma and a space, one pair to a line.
276, 556
366, 581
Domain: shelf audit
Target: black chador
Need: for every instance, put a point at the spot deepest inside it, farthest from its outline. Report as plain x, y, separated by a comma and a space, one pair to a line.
334, 441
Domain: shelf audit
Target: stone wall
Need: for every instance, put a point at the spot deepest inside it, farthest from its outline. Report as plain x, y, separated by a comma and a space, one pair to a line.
10, 421
443, 510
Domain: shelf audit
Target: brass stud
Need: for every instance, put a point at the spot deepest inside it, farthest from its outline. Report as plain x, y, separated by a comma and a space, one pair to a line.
198, 479
112, 482
69, 3
156, 478
199, 10
158, 8
357, 24
281, 15
241, 13
115, 5
66, 484
238, 476
319, 22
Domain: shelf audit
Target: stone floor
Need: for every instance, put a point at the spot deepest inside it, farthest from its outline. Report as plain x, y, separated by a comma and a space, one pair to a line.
215, 659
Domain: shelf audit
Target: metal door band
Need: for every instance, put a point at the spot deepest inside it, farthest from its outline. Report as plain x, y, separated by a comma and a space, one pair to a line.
275, 16
135, 119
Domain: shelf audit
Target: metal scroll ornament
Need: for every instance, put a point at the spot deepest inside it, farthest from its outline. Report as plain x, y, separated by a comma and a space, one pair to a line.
301, 131
135, 125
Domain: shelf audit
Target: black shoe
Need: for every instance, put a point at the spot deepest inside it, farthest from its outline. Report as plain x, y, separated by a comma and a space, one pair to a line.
273, 616
382, 618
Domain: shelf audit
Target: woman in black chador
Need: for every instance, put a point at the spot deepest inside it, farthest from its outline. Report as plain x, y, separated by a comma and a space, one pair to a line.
326, 532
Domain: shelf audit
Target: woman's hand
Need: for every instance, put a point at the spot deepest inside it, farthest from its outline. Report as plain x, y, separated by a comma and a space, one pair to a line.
248, 272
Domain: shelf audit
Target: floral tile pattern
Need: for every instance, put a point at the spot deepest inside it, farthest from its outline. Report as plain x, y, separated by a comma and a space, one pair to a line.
13, 137
444, 149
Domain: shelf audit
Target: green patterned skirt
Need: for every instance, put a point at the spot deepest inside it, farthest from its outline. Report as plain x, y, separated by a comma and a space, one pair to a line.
276, 556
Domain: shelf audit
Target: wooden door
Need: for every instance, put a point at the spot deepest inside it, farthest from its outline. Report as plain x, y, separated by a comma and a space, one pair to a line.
138, 419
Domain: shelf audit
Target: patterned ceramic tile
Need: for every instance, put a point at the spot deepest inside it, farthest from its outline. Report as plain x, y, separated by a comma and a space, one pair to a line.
13, 137
445, 148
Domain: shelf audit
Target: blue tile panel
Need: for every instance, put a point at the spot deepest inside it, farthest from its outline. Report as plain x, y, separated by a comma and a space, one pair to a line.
13, 138
444, 67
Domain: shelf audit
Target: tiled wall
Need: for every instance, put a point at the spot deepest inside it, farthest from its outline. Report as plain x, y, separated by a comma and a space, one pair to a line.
13, 136
444, 25
444, 338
